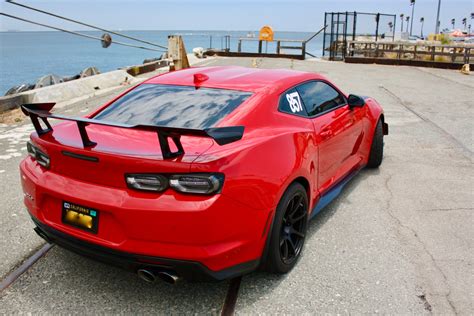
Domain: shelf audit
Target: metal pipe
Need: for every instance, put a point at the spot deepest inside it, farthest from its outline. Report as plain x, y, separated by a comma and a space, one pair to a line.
412, 16
437, 18
76, 33
85, 24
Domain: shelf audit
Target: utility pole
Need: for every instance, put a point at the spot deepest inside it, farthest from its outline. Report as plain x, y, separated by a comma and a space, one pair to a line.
422, 21
401, 17
412, 3
464, 23
437, 18
408, 21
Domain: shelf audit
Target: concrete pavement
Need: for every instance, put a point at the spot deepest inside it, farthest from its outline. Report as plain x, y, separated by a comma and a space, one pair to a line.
398, 240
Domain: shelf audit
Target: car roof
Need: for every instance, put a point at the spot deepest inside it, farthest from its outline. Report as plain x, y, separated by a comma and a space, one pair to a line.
236, 78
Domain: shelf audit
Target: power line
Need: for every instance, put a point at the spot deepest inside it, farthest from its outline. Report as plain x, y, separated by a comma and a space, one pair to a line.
77, 33
85, 24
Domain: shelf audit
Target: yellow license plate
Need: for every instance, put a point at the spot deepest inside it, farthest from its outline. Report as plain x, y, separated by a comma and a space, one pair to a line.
80, 216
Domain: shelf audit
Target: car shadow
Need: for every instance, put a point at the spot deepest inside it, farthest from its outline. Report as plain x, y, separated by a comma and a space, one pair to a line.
260, 283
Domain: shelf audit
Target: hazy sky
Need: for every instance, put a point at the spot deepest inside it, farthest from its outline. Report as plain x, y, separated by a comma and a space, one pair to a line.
296, 15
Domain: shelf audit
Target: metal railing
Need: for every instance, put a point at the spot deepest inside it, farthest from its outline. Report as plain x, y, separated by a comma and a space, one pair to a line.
414, 52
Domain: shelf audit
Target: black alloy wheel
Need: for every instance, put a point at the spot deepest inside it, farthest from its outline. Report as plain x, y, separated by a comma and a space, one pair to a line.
287, 235
293, 229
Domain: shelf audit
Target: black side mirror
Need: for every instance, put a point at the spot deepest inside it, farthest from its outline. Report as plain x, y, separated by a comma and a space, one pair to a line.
355, 101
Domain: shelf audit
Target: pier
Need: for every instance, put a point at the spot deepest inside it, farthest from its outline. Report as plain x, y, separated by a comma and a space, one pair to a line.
423, 54
399, 240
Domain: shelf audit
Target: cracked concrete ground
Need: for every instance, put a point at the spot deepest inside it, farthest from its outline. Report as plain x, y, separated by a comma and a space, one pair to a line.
398, 240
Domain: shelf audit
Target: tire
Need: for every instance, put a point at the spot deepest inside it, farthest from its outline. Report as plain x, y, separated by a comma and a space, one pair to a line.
289, 231
376, 150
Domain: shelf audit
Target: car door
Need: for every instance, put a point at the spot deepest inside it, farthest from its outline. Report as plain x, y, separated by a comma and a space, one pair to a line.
338, 131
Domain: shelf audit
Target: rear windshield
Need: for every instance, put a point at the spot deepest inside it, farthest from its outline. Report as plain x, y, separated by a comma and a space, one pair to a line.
173, 106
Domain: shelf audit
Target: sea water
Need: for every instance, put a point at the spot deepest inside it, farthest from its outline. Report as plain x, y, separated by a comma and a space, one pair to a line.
27, 56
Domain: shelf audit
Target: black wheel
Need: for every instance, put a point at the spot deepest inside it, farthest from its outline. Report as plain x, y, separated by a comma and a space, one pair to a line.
376, 150
289, 230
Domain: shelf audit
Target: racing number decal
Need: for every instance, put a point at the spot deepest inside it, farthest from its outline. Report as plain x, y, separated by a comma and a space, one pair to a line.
294, 101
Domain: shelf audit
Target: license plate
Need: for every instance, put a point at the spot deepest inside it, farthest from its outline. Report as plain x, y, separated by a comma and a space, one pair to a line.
80, 216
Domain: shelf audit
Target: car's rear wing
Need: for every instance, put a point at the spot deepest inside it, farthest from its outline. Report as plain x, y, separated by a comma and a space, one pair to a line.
222, 135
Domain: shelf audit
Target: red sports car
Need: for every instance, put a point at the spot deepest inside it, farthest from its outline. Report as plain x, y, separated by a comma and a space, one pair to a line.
203, 173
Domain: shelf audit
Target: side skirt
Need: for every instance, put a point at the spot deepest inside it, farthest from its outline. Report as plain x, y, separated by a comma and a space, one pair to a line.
333, 192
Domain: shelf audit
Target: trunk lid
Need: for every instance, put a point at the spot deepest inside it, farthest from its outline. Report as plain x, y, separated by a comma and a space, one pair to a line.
118, 151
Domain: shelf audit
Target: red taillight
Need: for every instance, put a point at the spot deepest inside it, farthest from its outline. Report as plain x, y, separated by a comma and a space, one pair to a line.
199, 183
38, 155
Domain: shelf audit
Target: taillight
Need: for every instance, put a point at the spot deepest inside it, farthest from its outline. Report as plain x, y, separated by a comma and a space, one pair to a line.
199, 183
147, 182
38, 155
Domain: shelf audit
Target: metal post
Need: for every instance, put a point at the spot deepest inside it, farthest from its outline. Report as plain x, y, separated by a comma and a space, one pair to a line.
412, 16
422, 25
337, 33
239, 46
331, 48
354, 29
345, 38
437, 18
377, 19
324, 35
394, 27
259, 47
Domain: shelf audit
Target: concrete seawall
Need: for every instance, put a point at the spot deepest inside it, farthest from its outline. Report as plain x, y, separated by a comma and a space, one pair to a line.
75, 90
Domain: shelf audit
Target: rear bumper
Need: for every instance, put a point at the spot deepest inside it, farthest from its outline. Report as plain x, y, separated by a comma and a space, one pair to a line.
210, 234
189, 270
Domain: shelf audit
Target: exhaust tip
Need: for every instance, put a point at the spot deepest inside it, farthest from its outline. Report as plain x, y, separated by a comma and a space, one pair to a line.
168, 277
146, 275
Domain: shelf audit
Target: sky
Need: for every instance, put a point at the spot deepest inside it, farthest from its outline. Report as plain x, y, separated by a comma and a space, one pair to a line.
243, 15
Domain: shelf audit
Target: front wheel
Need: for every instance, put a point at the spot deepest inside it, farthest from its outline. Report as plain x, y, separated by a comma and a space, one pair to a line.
289, 230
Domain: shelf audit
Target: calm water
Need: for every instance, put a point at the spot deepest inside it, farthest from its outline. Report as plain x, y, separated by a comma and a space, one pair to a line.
26, 56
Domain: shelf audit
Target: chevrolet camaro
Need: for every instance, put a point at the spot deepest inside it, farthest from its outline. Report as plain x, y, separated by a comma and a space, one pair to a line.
203, 174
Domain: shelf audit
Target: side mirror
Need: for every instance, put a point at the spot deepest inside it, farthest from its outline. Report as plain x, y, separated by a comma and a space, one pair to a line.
355, 101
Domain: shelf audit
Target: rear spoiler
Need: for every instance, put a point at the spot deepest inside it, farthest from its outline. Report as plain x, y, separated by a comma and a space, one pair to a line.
222, 135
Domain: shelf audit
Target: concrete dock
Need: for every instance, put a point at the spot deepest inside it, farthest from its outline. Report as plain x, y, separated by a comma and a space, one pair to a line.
399, 240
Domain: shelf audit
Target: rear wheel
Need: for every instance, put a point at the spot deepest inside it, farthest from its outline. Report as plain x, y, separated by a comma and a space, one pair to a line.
376, 150
289, 230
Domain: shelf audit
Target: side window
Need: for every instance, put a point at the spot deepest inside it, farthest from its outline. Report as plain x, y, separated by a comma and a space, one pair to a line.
291, 102
319, 97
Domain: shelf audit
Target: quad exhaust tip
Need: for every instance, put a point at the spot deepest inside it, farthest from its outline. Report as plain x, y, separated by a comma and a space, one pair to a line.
146, 275
151, 276
168, 277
